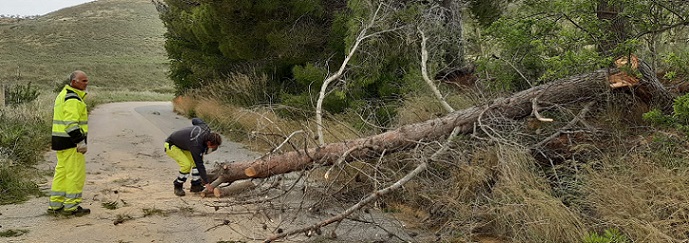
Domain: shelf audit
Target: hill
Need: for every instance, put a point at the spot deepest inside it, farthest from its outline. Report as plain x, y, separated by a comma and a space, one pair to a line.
119, 43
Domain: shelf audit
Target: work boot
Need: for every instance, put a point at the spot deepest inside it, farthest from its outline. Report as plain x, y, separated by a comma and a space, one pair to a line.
179, 191
78, 212
55, 211
196, 187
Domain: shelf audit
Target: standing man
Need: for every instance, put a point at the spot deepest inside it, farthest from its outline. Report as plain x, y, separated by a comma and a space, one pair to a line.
187, 147
70, 128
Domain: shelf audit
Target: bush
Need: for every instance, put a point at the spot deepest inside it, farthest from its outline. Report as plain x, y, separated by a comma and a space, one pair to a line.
610, 236
676, 64
23, 137
679, 118
656, 117
23, 140
20, 94
681, 109
13, 186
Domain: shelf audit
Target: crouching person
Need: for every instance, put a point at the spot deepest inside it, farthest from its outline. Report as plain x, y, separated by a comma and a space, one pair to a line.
187, 147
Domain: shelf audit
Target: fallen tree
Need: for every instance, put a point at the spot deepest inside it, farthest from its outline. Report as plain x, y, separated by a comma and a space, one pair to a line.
581, 88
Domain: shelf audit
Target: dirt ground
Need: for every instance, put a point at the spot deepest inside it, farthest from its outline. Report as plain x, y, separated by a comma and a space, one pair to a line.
128, 171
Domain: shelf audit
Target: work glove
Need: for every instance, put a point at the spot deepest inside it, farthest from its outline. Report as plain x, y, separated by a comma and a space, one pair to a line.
81, 147
209, 187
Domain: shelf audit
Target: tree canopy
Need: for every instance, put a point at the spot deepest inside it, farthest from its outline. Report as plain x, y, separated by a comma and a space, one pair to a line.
514, 45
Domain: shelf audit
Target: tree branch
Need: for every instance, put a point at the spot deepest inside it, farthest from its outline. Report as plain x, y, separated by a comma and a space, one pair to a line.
515, 69
321, 95
666, 28
534, 111
373, 196
424, 74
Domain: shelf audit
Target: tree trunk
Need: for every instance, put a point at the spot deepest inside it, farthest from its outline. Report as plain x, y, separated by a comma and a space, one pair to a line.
2, 95
617, 25
655, 94
576, 89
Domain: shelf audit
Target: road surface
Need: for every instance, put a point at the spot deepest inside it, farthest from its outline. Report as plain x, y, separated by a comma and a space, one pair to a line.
127, 167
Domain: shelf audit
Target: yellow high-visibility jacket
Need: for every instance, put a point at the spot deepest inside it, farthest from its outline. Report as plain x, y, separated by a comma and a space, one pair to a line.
70, 119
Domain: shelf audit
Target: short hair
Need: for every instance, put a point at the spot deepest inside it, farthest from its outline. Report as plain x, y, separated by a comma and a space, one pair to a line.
215, 138
73, 75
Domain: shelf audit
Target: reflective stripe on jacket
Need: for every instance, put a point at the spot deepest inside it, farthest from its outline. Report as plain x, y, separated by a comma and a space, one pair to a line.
70, 119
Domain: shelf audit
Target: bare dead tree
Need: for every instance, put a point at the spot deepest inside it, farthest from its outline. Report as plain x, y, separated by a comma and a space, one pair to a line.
424, 74
363, 35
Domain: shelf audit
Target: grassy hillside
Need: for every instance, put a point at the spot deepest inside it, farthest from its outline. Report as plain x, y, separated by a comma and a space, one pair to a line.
119, 43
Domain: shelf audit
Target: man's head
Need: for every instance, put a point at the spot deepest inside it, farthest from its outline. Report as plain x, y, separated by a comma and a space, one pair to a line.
78, 80
213, 142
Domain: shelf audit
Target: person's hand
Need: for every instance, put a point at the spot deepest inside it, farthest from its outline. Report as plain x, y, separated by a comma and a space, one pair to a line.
209, 187
82, 147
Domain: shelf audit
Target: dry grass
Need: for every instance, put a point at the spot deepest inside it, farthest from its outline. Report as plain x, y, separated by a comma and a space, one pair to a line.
524, 207
645, 200
184, 105
259, 126
422, 108
246, 90
496, 193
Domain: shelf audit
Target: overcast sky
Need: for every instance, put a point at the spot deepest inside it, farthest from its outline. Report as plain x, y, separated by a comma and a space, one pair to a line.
35, 7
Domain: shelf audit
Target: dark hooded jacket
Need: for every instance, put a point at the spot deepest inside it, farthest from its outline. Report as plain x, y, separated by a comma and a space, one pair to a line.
193, 139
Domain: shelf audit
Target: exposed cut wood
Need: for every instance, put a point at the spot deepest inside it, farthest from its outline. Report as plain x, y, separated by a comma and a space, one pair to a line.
623, 79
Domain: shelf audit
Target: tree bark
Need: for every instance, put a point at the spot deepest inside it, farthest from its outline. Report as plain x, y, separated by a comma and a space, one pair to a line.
610, 13
655, 94
576, 89
2, 95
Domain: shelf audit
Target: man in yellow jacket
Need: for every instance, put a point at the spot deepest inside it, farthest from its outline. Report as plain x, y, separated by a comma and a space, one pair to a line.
70, 128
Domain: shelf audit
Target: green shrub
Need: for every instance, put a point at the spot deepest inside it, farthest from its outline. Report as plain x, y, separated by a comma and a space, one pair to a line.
609, 236
309, 75
20, 94
14, 187
676, 63
679, 119
681, 109
24, 137
296, 106
656, 117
